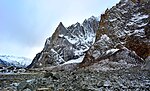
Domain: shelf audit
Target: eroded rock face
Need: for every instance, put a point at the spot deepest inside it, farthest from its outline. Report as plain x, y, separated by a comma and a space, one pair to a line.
147, 64
139, 44
124, 26
120, 57
67, 43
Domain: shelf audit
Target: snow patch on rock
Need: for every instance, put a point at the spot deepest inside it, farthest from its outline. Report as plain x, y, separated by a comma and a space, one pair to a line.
79, 60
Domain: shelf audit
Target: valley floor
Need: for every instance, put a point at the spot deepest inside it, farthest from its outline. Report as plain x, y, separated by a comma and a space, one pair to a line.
133, 79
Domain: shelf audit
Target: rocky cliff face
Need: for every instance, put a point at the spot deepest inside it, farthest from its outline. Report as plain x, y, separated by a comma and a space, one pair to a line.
123, 34
67, 43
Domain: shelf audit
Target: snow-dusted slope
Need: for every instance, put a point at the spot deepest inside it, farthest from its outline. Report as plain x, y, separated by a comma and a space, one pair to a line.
67, 43
14, 61
123, 34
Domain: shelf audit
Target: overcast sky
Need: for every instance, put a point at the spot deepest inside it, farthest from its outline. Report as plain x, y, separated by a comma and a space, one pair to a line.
25, 24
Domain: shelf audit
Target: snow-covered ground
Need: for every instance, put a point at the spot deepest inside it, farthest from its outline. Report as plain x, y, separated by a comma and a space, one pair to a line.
79, 60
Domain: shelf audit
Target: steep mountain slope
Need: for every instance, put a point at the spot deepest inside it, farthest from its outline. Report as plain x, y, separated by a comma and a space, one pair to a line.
14, 61
123, 35
4, 63
67, 43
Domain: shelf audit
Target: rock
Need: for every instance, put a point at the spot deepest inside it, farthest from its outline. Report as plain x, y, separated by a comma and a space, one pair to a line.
54, 76
88, 80
122, 28
51, 87
147, 64
61, 89
66, 43
121, 59
107, 83
139, 45
8, 89
100, 84
48, 74
26, 85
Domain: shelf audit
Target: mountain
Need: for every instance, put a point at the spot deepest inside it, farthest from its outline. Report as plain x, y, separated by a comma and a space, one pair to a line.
6, 60
123, 36
67, 43
4, 63
120, 37
116, 58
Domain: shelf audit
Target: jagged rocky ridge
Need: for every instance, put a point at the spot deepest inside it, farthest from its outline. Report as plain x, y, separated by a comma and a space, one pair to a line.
123, 35
67, 43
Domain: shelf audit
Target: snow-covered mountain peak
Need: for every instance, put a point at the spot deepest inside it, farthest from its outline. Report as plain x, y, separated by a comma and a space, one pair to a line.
68, 43
15, 61
61, 29
93, 18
